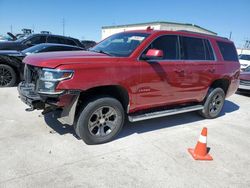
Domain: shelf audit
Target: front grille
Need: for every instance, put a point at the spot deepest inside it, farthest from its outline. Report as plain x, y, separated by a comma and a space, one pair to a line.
245, 82
31, 74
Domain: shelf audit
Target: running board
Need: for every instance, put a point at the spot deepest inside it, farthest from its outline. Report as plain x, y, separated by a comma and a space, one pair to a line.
163, 113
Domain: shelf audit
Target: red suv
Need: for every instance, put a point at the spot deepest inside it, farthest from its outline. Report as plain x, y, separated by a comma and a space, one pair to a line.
140, 74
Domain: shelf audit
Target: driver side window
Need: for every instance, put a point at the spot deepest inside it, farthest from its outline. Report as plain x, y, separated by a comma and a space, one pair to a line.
168, 44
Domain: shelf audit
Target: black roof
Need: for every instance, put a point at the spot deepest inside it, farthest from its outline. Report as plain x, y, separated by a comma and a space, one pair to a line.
46, 34
56, 44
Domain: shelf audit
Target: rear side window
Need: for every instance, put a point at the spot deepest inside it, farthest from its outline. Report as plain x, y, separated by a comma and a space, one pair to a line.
69, 42
196, 49
209, 51
228, 51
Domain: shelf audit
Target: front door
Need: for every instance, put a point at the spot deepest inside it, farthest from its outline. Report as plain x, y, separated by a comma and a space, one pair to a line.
159, 78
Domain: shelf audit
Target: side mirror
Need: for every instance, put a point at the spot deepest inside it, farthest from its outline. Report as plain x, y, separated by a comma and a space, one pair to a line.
153, 54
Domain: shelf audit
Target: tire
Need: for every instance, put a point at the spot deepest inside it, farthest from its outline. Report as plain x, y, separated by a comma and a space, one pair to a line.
8, 76
100, 120
213, 104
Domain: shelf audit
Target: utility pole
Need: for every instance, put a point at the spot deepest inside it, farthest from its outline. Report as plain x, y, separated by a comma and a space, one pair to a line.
11, 28
63, 25
230, 35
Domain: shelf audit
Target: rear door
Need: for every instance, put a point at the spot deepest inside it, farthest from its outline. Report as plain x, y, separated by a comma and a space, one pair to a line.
197, 67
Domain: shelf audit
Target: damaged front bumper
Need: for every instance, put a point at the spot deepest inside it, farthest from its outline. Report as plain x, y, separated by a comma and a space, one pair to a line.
28, 95
65, 101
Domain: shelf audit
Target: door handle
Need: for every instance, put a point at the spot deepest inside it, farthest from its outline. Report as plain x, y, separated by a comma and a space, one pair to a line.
211, 70
180, 71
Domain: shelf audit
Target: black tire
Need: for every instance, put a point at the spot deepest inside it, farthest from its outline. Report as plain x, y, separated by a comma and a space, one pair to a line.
100, 120
213, 104
8, 76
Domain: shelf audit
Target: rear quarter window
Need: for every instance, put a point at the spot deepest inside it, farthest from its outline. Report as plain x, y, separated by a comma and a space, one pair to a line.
228, 51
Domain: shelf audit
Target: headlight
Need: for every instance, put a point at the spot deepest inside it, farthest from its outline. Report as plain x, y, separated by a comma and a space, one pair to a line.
49, 78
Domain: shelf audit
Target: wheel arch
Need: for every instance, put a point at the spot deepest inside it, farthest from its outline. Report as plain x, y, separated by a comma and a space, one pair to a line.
116, 91
223, 83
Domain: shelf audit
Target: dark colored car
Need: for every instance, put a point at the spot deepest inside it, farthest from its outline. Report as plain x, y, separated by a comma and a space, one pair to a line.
88, 43
245, 80
11, 66
140, 74
34, 39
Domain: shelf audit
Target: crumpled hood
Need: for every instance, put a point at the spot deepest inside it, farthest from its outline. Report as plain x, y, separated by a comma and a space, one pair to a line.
245, 76
55, 59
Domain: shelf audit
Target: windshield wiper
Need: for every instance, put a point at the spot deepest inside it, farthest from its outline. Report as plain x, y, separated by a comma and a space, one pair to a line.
102, 52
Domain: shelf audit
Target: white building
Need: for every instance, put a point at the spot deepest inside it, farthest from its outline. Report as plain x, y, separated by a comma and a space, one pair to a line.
110, 30
243, 51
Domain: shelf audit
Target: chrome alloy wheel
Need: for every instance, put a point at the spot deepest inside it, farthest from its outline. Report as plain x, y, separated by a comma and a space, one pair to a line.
103, 121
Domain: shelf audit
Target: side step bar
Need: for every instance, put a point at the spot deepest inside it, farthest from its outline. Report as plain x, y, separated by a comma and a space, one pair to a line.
163, 113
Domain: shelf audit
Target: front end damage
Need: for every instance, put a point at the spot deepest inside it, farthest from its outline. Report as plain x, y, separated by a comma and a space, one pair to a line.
39, 92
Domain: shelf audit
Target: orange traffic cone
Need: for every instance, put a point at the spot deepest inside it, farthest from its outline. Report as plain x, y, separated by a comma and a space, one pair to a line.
200, 151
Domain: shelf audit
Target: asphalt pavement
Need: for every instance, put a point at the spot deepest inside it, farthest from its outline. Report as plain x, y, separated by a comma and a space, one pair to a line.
38, 151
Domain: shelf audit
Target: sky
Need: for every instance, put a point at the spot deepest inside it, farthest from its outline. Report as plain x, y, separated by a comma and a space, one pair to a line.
84, 18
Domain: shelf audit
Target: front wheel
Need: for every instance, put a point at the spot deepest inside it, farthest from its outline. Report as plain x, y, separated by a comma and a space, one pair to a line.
100, 121
213, 104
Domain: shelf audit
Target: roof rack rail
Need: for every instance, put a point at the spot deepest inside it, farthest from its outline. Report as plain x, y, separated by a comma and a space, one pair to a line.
203, 34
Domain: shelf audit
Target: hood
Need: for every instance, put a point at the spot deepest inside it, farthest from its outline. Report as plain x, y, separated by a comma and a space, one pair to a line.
11, 53
245, 76
54, 59
10, 45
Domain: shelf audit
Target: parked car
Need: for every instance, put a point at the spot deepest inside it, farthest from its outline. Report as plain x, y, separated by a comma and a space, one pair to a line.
88, 43
34, 39
245, 80
244, 61
11, 66
141, 74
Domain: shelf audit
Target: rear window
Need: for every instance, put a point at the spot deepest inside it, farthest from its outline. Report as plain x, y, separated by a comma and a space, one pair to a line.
228, 51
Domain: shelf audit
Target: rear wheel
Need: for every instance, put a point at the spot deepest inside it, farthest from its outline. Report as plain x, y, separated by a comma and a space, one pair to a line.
213, 104
100, 121
7, 76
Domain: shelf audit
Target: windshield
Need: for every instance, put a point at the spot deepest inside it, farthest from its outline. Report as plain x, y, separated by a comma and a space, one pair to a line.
120, 45
22, 38
6, 38
35, 49
244, 57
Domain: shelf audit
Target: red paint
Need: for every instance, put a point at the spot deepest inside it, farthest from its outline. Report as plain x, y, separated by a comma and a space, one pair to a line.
148, 84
